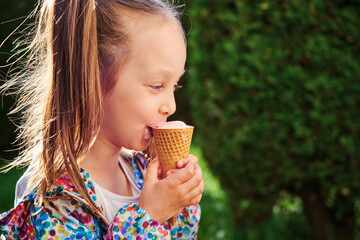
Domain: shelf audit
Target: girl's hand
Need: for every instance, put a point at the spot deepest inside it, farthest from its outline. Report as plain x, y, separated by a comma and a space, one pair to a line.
183, 162
164, 198
180, 164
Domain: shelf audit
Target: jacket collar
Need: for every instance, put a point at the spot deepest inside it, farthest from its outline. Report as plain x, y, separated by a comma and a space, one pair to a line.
137, 160
65, 186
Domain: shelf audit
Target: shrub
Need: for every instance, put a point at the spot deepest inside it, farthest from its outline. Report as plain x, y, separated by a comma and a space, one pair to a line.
275, 96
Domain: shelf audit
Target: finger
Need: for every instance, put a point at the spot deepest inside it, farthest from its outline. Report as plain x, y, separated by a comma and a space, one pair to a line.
195, 182
195, 193
196, 200
152, 170
184, 174
183, 162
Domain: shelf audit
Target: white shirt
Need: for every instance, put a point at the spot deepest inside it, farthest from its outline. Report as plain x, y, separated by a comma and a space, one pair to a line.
112, 202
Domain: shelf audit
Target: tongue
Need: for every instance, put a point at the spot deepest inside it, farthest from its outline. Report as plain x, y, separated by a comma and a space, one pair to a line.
147, 134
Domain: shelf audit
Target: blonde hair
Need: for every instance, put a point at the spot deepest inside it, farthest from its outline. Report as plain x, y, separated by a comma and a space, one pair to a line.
71, 61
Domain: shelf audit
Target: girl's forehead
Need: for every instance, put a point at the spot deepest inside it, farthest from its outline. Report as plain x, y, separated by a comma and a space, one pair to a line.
154, 29
159, 47
138, 22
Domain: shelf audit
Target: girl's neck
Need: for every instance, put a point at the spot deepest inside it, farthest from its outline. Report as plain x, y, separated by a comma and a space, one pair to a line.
102, 163
102, 156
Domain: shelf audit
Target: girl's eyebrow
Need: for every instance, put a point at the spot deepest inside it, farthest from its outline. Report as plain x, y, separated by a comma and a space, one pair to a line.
167, 73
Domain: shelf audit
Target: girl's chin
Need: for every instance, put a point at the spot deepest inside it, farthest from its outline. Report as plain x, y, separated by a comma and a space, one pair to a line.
144, 144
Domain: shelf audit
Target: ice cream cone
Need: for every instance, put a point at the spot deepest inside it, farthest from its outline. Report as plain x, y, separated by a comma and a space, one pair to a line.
172, 145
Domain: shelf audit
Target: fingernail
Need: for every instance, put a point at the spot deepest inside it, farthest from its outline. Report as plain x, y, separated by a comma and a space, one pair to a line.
168, 173
180, 163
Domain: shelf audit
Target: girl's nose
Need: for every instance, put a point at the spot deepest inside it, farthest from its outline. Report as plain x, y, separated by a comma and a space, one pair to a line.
168, 106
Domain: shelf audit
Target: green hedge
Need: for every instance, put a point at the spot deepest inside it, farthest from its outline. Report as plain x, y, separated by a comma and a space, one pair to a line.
12, 15
275, 96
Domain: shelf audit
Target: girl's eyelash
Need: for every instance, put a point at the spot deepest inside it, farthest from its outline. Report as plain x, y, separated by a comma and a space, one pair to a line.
160, 86
157, 87
176, 87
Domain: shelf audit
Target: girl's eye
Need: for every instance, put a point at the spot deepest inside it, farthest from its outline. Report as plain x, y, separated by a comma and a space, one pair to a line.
176, 87
157, 87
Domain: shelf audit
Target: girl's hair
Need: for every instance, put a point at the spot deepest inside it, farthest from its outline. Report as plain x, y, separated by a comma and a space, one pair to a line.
72, 57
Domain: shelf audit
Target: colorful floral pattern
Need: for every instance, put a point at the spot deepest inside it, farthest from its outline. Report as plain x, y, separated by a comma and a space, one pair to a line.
68, 216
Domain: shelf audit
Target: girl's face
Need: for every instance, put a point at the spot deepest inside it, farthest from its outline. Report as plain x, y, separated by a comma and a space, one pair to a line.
143, 94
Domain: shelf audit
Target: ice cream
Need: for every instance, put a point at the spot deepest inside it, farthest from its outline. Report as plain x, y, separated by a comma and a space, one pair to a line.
172, 125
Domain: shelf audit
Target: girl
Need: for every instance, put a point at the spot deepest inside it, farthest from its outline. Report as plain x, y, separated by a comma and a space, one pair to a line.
101, 74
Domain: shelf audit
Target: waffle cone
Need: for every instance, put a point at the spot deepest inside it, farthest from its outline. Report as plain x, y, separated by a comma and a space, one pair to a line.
172, 145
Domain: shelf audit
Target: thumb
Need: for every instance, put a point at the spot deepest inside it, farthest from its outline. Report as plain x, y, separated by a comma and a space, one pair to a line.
152, 170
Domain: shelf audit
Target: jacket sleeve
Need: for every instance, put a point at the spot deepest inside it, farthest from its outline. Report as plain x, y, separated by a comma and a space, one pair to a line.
14, 223
63, 218
187, 223
131, 221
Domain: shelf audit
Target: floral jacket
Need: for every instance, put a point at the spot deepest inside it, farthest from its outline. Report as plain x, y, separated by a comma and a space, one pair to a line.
68, 216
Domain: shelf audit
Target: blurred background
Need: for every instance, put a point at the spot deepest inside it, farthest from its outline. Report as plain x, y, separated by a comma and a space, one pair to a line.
273, 90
